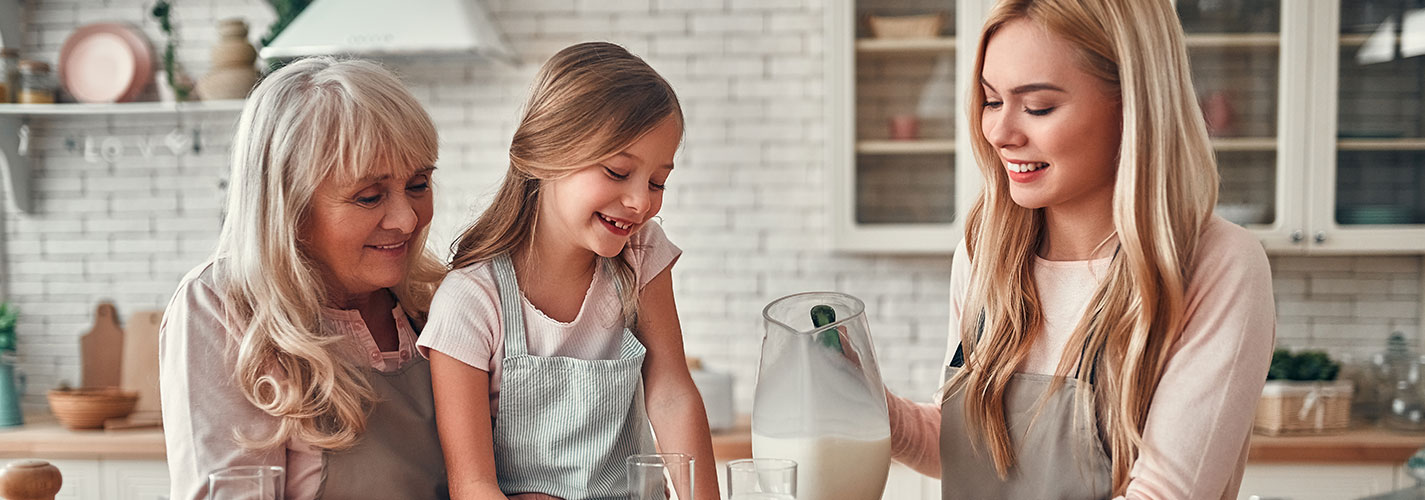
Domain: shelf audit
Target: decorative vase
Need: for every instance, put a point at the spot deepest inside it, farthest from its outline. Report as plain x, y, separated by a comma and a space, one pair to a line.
233, 73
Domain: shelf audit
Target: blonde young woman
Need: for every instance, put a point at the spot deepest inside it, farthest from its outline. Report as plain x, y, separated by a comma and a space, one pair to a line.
1110, 334
295, 344
554, 341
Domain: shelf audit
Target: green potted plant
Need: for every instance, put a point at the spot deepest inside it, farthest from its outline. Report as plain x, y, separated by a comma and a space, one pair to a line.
286, 10
8, 316
11, 384
177, 83
1303, 396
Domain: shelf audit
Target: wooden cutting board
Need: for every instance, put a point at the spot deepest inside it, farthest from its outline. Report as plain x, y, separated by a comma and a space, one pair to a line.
140, 362
100, 349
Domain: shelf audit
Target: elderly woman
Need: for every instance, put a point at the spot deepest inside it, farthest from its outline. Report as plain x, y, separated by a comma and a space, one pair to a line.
294, 345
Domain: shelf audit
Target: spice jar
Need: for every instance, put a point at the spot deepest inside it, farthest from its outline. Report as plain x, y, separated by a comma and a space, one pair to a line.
37, 86
9, 74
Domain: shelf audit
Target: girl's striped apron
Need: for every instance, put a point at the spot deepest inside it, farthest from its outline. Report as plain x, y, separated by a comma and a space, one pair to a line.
564, 425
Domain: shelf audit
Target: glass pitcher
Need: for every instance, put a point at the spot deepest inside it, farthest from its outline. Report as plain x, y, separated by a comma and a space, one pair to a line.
819, 399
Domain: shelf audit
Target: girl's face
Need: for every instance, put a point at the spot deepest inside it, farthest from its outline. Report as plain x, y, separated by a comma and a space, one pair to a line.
597, 207
361, 233
1056, 127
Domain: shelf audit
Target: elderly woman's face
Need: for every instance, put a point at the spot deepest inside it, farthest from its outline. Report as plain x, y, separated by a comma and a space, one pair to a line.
360, 233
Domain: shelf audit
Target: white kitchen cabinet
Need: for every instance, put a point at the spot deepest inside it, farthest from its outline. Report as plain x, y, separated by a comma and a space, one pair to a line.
111, 479
1316, 108
1317, 481
134, 479
1316, 111
80, 479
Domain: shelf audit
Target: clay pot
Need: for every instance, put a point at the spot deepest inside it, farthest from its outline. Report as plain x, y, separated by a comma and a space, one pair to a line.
30, 480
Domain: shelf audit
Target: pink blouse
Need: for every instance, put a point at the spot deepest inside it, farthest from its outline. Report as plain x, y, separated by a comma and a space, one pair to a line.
1195, 440
202, 406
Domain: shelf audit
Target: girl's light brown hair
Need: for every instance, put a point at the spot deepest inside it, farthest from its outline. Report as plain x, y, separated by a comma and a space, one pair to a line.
589, 102
1165, 187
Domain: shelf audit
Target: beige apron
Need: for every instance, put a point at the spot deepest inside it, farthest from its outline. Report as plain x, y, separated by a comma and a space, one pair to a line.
399, 454
1059, 457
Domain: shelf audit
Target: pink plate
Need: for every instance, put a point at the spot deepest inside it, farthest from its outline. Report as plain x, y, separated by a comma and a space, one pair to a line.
106, 62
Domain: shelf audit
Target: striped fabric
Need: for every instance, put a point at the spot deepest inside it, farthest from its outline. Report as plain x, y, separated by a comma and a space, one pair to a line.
565, 425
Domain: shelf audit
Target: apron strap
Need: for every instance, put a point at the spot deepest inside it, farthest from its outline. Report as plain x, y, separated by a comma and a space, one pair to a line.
511, 311
958, 360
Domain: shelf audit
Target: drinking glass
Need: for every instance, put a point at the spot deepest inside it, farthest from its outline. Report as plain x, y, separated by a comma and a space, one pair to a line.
660, 476
247, 482
762, 479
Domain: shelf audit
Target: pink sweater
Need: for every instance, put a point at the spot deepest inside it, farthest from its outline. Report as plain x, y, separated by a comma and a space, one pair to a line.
202, 405
1195, 441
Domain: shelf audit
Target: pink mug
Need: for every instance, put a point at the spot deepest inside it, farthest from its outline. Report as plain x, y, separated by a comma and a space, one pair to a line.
904, 127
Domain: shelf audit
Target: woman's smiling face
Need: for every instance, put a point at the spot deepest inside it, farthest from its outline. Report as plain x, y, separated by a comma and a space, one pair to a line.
361, 234
1056, 128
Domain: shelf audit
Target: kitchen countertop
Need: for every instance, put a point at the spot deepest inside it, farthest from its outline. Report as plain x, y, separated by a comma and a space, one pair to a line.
1368, 445
47, 439
1355, 446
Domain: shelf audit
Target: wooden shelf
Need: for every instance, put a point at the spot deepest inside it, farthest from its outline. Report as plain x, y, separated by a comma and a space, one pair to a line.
911, 147
1412, 144
1269, 144
15, 169
1232, 40
1244, 143
1356, 39
126, 108
904, 45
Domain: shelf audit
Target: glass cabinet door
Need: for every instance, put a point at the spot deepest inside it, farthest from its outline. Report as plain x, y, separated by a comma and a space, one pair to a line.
894, 114
905, 112
1235, 48
1379, 174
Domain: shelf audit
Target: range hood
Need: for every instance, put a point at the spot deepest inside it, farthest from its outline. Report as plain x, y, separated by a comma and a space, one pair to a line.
386, 27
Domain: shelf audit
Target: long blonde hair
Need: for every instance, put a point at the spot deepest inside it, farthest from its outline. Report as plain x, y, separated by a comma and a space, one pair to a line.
1165, 187
316, 118
589, 102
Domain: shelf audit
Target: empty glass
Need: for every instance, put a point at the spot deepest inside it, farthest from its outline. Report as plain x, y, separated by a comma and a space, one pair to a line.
660, 476
762, 479
247, 482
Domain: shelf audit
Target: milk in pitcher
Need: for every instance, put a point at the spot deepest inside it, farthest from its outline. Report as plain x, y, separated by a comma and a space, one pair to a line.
832, 468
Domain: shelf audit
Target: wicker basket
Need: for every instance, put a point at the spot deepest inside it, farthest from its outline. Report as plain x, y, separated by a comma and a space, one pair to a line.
89, 408
1290, 407
917, 26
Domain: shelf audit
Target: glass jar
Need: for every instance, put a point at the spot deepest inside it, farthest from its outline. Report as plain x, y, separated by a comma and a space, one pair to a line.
1406, 410
9, 74
37, 86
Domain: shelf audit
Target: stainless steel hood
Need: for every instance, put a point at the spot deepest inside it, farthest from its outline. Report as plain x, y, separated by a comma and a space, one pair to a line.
388, 27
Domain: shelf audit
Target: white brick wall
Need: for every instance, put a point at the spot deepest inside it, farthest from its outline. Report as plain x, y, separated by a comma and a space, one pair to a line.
747, 204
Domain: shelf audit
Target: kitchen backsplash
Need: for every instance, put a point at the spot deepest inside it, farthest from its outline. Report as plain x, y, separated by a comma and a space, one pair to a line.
746, 205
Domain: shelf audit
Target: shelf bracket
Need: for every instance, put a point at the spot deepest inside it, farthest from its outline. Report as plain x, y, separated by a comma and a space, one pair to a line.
14, 168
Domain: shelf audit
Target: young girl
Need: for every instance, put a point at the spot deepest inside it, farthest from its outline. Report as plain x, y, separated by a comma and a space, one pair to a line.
1111, 336
554, 341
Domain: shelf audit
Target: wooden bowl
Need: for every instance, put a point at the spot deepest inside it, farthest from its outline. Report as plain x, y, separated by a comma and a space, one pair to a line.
88, 408
914, 26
